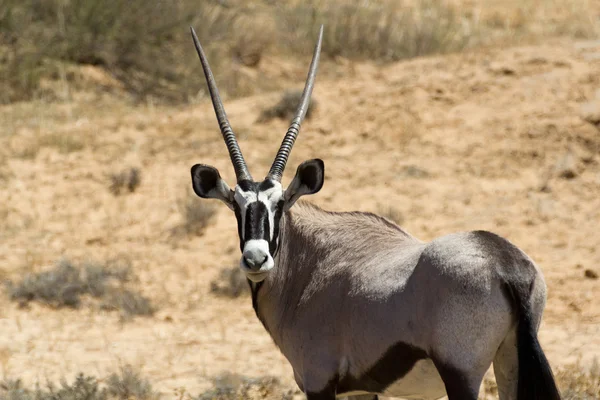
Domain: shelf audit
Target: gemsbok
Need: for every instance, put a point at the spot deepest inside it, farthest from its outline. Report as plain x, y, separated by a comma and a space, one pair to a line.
361, 308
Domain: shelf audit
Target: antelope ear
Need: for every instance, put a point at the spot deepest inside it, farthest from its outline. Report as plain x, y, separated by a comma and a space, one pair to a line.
308, 180
207, 183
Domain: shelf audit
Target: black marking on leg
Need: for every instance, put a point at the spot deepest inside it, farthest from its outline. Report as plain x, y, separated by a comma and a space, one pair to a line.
392, 366
458, 387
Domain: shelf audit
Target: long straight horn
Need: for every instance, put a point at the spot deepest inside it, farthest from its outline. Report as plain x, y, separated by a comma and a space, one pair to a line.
241, 170
290, 137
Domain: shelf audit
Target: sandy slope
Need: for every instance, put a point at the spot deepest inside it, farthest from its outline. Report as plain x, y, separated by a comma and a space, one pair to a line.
454, 143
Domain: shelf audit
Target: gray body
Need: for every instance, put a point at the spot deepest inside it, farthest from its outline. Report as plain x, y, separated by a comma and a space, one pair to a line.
350, 286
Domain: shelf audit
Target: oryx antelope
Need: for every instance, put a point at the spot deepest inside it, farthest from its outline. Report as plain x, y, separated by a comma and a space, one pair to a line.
360, 307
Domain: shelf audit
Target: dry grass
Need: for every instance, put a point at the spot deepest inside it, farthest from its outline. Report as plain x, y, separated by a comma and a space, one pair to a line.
126, 384
67, 284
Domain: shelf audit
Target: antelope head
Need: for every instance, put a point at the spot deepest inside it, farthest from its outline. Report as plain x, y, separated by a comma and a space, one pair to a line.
259, 205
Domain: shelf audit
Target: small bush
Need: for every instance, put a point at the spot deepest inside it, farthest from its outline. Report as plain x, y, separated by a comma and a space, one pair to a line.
231, 283
59, 287
229, 386
129, 179
197, 214
125, 385
286, 107
66, 283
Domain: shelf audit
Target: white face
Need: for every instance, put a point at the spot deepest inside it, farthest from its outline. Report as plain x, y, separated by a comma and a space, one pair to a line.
258, 208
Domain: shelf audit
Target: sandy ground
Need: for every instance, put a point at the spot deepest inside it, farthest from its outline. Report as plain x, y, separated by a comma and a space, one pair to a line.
479, 140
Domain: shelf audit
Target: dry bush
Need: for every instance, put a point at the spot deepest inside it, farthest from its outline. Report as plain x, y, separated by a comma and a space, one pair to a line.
129, 178
286, 107
231, 283
197, 214
67, 283
229, 386
124, 385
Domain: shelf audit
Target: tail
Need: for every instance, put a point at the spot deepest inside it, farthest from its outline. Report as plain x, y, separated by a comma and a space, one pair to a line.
536, 381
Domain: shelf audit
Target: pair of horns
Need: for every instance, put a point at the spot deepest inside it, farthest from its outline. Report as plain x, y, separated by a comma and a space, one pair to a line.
239, 164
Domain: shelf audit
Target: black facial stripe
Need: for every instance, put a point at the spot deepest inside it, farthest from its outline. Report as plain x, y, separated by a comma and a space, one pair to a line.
257, 222
238, 216
274, 244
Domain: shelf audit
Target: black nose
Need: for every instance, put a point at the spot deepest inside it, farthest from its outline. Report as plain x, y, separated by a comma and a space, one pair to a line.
255, 258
